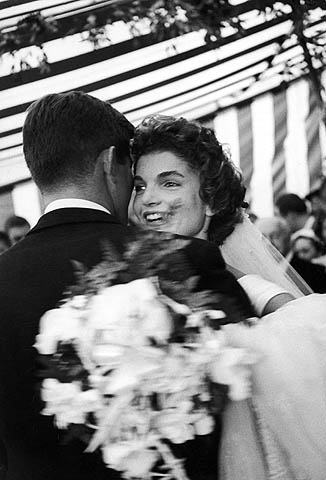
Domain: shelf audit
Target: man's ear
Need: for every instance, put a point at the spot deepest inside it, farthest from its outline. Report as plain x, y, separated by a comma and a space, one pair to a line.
109, 160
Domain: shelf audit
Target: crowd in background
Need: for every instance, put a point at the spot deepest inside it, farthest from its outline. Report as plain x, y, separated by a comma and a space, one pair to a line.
298, 231
15, 228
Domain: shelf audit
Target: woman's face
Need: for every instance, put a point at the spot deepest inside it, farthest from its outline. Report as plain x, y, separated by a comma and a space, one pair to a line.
167, 196
305, 249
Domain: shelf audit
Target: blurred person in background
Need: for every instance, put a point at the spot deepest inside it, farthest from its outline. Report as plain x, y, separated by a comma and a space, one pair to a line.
306, 245
4, 242
295, 212
320, 231
278, 232
16, 228
317, 198
320, 227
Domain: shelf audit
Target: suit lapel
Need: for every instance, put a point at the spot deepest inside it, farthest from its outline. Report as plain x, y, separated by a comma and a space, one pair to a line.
64, 216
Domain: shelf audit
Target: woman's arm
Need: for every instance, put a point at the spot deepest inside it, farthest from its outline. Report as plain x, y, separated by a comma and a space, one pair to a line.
277, 302
265, 296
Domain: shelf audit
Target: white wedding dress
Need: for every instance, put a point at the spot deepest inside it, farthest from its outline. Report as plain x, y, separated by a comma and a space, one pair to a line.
281, 432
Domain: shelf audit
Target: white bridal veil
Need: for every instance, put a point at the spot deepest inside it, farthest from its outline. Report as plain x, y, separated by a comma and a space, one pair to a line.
283, 436
247, 250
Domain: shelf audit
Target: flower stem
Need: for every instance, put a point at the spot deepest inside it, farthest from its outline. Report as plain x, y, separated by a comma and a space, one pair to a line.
171, 462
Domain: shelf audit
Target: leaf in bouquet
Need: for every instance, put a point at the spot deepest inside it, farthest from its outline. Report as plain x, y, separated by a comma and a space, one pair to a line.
209, 300
103, 275
109, 419
148, 254
80, 287
79, 270
182, 291
202, 299
106, 272
110, 253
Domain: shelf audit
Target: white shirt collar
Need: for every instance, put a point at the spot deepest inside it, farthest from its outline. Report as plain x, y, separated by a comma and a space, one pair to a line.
74, 203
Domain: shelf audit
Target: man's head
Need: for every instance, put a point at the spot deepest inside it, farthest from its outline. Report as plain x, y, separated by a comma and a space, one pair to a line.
293, 209
77, 145
16, 228
277, 231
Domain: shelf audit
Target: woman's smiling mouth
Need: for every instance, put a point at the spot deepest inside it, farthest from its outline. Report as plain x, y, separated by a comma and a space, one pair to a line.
155, 218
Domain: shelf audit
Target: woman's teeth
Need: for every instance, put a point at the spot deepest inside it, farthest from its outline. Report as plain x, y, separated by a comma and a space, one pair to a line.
154, 217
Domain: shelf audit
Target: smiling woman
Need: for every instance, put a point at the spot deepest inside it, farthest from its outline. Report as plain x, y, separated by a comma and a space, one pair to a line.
167, 195
184, 181
186, 184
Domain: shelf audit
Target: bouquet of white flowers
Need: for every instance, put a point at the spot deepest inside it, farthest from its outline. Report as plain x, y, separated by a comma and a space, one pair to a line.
135, 366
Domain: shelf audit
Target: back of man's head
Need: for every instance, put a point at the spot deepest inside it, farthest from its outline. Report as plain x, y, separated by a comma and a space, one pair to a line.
291, 203
64, 133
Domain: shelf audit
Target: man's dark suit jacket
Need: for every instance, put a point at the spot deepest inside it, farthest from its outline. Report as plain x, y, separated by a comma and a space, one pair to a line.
33, 277
312, 273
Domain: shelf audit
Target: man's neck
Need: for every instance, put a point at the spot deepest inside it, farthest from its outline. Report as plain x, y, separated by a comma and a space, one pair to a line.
302, 221
74, 193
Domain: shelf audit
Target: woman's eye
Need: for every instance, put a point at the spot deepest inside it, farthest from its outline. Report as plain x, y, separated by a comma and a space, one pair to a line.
171, 184
139, 188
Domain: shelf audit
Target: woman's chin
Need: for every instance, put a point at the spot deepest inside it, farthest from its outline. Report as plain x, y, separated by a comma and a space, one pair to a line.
159, 227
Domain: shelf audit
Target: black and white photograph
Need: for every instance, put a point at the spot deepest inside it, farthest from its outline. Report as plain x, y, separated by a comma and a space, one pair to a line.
163, 240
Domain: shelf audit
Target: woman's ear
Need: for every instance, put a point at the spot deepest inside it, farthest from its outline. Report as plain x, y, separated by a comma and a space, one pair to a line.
209, 212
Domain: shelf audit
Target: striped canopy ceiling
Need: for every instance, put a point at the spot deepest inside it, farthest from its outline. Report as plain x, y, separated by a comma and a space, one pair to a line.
144, 74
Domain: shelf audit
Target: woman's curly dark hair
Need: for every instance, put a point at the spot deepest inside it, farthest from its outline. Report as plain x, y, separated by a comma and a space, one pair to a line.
221, 182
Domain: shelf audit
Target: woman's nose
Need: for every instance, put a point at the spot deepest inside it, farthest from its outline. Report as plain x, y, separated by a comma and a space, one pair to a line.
150, 196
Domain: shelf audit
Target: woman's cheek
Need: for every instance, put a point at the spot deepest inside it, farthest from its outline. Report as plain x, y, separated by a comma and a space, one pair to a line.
176, 204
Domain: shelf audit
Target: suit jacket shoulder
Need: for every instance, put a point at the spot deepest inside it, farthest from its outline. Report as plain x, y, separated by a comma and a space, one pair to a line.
33, 277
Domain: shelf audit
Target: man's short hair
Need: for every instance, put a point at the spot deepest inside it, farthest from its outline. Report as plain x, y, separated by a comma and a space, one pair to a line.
64, 133
14, 221
290, 202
